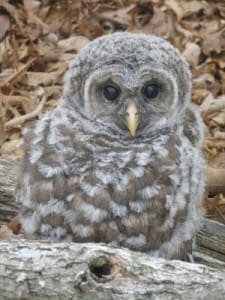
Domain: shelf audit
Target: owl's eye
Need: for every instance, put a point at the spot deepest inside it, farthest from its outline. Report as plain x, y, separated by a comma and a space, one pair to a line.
111, 92
150, 90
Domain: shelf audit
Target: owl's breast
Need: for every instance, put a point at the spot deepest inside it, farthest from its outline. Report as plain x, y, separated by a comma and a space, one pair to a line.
135, 195
131, 197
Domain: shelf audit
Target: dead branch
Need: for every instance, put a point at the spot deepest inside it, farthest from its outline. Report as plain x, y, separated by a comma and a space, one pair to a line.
215, 180
15, 75
43, 270
21, 119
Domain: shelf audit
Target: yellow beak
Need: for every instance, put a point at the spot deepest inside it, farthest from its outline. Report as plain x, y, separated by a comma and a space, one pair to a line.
132, 119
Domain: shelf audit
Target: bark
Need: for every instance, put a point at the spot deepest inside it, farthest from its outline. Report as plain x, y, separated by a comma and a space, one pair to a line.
8, 175
43, 270
210, 244
215, 180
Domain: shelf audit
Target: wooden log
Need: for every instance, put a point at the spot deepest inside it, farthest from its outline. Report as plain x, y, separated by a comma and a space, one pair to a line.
212, 236
215, 180
8, 174
8, 178
44, 270
210, 244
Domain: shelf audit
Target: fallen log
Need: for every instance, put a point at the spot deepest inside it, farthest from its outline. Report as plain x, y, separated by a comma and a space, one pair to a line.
210, 244
44, 270
215, 180
8, 178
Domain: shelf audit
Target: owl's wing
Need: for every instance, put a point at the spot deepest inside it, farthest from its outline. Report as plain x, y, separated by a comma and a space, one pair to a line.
193, 125
41, 182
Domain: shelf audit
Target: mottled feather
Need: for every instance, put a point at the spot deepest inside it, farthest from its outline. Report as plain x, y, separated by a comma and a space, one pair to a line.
85, 178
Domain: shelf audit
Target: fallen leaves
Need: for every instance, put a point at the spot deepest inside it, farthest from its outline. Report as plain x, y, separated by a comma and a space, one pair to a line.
27, 117
192, 53
4, 26
5, 232
36, 47
12, 229
73, 43
15, 225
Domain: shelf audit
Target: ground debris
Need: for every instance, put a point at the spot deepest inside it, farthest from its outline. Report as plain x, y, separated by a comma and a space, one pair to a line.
36, 46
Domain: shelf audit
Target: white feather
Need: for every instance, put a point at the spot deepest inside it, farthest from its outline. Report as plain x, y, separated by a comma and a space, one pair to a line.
136, 241
92, 213
149, 192
118, 210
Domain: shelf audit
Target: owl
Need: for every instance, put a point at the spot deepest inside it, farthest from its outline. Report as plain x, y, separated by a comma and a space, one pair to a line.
118, 161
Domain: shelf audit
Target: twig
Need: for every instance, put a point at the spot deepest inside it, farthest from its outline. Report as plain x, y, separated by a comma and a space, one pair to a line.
213, 107
20, 120
19, 72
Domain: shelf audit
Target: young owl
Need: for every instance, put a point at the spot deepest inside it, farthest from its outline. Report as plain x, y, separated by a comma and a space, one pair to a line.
118, 160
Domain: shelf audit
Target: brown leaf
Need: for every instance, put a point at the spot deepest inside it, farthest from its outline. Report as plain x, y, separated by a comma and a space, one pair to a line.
91, 28
213, 105
5, 232
74, 43
192, 53
2, 118
15, 225
213, 42
35, 79
213, 37
204, 81
187, 8
176, 7
4, 26
31, 4
219, 118
13, 13
158, 24
121, 16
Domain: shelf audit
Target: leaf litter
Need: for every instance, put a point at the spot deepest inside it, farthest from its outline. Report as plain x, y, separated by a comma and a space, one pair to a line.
39, 38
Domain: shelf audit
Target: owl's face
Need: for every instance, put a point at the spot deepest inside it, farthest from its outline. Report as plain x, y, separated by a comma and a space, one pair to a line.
129, 84
130, 101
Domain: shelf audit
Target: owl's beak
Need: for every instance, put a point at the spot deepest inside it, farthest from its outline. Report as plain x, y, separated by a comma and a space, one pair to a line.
132, 118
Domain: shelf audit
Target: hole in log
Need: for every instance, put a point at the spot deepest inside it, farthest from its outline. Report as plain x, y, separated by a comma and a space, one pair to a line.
102, 267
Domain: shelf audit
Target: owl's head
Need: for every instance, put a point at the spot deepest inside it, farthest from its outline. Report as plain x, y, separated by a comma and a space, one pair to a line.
128, 84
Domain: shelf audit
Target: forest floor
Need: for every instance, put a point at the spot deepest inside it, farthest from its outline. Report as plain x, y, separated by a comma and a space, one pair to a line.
39, 38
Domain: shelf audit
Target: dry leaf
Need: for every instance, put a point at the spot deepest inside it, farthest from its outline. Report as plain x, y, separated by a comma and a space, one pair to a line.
219, 118
35, 79
31, 4
176, 7
15, 225
5, 232
186, 8
4, 26
158, 24
12, 12
2, 118
213, 42
121, 16
44, 36
192, 53
74, 43
204, 81
212, 105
